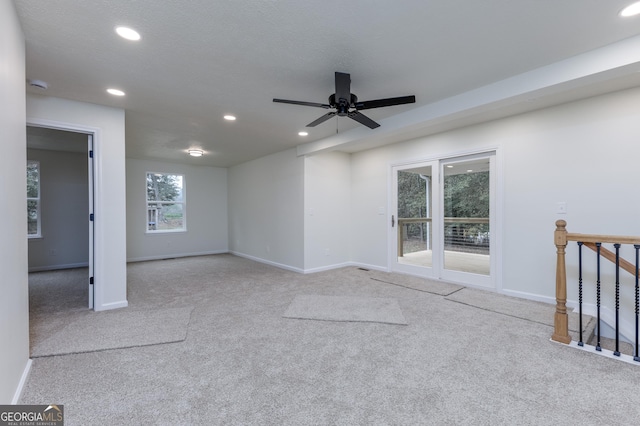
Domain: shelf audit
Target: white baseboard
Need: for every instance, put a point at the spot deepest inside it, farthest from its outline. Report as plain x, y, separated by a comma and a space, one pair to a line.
267, 262
23, 381
112, 305
310, 270
57, 267
174, 255
344, 265
604, 352
529, 296
327, 267
367, 266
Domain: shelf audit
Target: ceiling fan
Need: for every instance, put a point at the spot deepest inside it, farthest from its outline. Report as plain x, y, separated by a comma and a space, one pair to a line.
346, 104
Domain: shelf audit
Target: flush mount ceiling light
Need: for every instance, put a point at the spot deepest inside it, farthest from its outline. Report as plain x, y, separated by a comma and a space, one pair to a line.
128, 33
631, 10
303, 134
195, 152
115, 92
230, 117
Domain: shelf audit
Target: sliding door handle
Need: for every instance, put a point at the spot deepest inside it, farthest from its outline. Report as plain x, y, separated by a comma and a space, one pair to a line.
393, 221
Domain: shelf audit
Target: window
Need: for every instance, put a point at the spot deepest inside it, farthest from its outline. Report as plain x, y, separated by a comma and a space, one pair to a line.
33, 199
165, 202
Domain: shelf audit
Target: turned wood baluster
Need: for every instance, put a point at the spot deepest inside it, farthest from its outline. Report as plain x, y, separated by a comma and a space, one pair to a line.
561, 319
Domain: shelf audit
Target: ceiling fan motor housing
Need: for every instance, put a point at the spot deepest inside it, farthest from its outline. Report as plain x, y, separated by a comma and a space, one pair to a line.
342, 106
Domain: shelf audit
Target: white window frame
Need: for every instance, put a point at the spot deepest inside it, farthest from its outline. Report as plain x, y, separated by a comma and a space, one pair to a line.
148, 209
37, 199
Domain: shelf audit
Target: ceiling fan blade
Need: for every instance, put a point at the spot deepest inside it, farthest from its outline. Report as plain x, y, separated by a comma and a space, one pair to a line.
343, 87
377, 103
363, 119
311, 104
322, 119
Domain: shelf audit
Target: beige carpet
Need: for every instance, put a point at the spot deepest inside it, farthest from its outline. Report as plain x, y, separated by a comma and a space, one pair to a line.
60, 322
539, 312
346, 309
96, 331
415, 283
242, 363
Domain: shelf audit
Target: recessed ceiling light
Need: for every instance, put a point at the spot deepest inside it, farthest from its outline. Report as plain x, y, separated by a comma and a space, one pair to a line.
230, 117
128, 33
469, 171
303, 133
449, 166
195, 152
115, 92
631, 10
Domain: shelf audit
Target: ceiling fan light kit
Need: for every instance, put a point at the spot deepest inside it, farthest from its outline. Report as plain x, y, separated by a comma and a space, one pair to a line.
346, 104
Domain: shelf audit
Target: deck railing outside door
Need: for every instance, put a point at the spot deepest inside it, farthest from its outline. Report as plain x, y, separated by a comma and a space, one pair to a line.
447, 220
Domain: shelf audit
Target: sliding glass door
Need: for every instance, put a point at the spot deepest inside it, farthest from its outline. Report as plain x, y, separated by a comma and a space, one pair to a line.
467, 204
443, 218
413, 227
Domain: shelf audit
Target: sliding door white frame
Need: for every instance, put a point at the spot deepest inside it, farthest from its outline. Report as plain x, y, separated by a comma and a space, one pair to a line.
437, 271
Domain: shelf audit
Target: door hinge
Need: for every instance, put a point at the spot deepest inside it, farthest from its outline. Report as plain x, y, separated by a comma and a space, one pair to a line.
91, 217
91, 280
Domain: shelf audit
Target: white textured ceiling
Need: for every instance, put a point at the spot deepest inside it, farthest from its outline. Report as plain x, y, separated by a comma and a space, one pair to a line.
201, 59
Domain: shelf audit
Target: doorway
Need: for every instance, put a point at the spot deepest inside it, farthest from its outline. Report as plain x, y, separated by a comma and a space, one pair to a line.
444, 218
62, 163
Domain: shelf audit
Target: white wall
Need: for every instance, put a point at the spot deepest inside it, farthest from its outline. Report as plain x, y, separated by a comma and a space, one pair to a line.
266, 210
327, 210
583, 153
206, 212
64, 208
14, 303
110, 229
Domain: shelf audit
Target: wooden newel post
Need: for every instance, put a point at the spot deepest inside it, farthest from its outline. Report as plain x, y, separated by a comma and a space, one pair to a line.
561, 319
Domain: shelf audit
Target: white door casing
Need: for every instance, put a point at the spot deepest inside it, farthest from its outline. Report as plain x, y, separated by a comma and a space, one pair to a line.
436, 268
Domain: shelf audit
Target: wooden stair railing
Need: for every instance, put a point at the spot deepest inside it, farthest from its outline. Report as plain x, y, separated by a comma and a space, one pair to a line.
593, 242
561, 319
